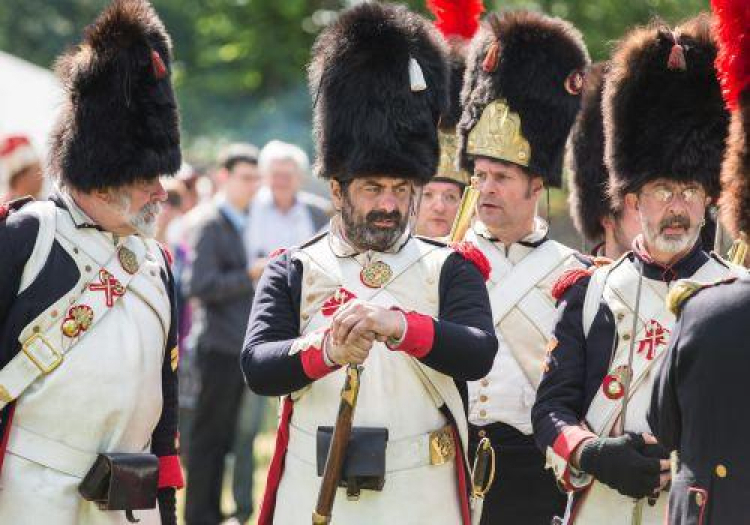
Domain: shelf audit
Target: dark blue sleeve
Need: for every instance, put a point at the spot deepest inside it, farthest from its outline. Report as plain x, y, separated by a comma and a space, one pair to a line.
465, 345
17, 238
561, 393
274, 325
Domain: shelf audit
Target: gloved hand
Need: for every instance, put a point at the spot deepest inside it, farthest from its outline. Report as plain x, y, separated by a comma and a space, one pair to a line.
625, 463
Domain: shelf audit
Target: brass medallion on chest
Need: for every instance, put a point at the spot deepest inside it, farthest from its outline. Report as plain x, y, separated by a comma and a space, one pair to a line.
376, 274
128, 260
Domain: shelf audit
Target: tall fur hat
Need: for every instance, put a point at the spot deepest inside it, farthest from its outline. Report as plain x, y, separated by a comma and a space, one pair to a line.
535, 64
379, 81
588, 200
663, 112
119, 122
733, 64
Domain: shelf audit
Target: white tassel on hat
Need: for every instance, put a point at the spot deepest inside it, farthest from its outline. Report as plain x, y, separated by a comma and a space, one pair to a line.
416, 77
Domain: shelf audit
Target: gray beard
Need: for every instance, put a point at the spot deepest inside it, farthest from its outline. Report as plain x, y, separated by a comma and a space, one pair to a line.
661, 243
143, 221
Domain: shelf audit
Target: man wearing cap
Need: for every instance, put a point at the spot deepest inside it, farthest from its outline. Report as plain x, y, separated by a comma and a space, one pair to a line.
610, 230
697, 405
522, 66
414, 313
665, 126
88, 356
20, 169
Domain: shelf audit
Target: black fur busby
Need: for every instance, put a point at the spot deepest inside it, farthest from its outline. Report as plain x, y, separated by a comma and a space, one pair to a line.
119, 122
373, 115
588, 200
663, 111
535, 63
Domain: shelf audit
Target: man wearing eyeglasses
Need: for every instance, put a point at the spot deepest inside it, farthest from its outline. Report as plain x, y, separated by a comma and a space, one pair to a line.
664, 132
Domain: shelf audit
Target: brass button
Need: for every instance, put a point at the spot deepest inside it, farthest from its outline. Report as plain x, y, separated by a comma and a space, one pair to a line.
626, 337
482, 433
699, 499
721, 471
75, 250
482, 413
483, 399
53, 313
309, 280
484, 382
620, 316
36, 329
305, 317
88, 268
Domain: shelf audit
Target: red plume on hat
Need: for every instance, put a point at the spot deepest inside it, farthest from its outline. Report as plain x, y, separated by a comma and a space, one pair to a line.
733, 68
733, 60
456, 17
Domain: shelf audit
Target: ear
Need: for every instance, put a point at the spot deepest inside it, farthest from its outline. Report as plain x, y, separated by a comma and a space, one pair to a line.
336, 194
537, 185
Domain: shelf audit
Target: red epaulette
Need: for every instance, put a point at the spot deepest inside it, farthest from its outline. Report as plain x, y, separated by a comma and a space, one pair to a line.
276, 253
167, 254
568, 279
473, 254
14, 205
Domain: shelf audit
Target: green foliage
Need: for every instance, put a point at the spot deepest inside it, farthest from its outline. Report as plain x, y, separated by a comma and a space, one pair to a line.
240, 64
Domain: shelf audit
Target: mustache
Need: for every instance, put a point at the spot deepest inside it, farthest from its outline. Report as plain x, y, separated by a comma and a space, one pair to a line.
681, 221
379, 215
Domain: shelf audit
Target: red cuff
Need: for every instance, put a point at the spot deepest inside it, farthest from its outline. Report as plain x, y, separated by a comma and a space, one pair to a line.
569, 439
419, 335
313, 362
170, 472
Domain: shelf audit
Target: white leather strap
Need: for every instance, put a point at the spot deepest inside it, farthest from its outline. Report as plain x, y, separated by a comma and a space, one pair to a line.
45, 212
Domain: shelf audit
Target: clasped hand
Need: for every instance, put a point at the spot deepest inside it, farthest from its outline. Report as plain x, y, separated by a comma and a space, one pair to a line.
357, 326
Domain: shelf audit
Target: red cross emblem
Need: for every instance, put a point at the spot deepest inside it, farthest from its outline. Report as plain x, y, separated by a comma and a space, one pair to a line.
338, 299
109, 285
656, 335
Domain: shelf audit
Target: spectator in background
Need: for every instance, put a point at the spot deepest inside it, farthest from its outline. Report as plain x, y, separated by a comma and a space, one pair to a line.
20, 169
438, 207
219, 279
282, 216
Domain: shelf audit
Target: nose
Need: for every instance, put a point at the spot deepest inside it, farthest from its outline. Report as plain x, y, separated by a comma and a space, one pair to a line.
388, 202
438, 204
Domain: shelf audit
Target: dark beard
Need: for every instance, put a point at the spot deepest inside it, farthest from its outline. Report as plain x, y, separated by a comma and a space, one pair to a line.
363, 233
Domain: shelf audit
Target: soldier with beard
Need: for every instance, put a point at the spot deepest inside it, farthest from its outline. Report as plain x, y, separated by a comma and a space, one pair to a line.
88, 384
665, 126
415, 313
698, 403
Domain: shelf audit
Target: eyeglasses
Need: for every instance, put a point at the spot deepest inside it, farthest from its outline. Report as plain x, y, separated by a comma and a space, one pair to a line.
666, 195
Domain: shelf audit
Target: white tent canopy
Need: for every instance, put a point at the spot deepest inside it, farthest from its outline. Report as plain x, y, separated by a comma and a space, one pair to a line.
30, 97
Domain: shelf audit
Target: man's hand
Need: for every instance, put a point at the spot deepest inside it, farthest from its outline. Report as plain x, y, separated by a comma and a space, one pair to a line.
358, 321
633, 464
345, 354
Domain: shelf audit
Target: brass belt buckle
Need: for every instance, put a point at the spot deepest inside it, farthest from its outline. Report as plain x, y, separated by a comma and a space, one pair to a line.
442, 446
45, 366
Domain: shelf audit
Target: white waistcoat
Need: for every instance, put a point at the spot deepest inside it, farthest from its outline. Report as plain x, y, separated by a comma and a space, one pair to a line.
602, 504
391, 395
524, 314
105, 395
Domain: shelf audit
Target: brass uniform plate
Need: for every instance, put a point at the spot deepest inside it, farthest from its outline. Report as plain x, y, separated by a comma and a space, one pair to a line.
442, 446
128, 260
376, 274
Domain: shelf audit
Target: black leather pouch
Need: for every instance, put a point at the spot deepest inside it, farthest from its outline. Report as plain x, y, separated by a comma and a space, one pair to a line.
120, 481
364, 465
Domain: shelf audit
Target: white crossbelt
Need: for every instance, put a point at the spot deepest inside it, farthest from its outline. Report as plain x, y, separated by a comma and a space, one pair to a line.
43, 343
403, 454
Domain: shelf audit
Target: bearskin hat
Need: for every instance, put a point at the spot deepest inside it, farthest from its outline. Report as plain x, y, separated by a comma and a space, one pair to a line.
663, 112
379, 82
535, 64
119, 122
588, 200
733, 65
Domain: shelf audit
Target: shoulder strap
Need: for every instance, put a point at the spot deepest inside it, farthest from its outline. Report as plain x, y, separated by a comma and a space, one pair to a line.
46, 213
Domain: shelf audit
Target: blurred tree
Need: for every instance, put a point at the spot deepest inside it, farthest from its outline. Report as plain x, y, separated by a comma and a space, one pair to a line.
240, 64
